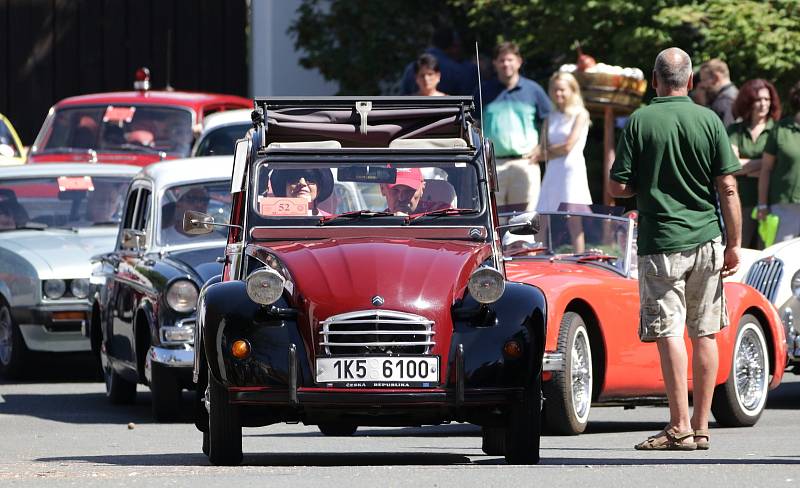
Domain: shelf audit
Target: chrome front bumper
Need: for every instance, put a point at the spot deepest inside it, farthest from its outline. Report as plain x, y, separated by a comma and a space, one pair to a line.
789, 313
553, 361
173, 358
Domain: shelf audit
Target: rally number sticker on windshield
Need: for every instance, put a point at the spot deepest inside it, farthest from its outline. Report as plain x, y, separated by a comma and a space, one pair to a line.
283, 206
379, 372
81, 183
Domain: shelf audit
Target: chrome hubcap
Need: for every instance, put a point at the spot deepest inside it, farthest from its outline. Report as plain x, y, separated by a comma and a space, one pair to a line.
750, 367
581, 375
6, 338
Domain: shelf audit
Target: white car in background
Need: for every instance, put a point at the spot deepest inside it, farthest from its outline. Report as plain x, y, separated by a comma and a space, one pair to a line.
776, 274
220, 132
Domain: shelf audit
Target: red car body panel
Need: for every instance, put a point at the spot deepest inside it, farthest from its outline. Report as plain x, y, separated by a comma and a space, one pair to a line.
632, 367
423, 277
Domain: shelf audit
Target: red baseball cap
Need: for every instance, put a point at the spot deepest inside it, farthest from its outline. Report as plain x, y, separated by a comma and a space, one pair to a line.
410, 177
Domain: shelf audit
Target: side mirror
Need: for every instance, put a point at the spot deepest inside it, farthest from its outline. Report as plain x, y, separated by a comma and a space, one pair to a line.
133, 239
197, 223
523, 224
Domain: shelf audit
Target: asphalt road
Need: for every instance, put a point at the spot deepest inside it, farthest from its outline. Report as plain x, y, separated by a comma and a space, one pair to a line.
57, 429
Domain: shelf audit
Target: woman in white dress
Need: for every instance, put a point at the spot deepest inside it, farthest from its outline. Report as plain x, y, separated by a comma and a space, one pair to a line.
565, 132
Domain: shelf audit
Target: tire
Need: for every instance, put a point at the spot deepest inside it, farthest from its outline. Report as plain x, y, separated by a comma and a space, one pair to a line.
13, 350
568, 395
119, 391
166, 394
338, 429
741, 403
224, 427
524, 426
493, 441
205, 443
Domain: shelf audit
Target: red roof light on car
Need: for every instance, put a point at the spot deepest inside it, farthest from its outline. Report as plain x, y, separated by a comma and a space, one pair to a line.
142, 79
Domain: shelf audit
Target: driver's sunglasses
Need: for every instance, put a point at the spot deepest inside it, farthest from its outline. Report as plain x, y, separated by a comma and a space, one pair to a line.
311, 177
191, 199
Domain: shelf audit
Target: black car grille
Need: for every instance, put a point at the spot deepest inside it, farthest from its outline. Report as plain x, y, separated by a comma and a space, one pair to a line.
376, 332
765, 276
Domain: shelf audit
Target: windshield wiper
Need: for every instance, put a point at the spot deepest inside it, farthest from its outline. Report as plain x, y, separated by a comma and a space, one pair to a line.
355, 215
441, 213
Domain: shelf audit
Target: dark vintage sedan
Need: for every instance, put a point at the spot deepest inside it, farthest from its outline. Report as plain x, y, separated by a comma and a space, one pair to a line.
144, 302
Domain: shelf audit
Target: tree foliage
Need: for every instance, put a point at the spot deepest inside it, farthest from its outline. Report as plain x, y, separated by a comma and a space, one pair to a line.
364, 44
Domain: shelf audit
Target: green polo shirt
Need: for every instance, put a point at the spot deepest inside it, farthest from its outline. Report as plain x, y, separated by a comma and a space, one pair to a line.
739, 134
784, 143
671, 152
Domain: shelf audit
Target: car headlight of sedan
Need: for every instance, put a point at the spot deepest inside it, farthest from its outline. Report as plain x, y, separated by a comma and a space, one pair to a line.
182, 296
79, 288
265, 286
796, 283
54, 289
486, 284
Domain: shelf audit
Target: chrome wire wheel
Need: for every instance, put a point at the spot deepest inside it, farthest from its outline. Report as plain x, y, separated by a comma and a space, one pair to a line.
581, 374
750, 366
6, 336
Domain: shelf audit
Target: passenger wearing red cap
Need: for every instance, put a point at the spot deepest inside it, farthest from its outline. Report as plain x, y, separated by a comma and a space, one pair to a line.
403, 196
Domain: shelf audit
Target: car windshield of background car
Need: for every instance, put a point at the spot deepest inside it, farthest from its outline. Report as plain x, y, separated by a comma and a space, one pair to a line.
122, 128
570, 235
221, 141
8, 147
212, 198
330, 189
70, 202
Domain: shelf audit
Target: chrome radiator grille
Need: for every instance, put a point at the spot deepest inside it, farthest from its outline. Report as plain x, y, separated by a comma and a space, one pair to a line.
765, 276
376, 332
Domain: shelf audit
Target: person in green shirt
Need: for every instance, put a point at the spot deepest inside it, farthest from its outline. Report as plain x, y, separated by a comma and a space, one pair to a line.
676, 158
779, 180
758, 107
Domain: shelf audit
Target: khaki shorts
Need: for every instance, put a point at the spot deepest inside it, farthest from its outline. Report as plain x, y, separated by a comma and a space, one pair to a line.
682, 288
519, 182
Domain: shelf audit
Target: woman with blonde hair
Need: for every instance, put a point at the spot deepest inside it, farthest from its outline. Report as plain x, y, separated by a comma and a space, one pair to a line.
565, 131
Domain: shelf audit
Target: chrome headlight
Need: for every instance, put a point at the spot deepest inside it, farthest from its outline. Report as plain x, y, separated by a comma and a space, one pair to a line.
54, 289
265, 286
79, 288
486, 285
182, 296
796, 283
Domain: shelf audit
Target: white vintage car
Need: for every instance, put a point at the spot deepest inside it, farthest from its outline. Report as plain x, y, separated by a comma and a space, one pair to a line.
776, 274
53, 218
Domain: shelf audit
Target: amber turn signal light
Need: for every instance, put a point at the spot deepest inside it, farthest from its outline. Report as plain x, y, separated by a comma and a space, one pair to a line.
240, 349
512, 349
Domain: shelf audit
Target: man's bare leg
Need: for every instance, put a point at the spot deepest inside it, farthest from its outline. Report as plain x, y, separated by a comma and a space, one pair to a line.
705, 362
674, 363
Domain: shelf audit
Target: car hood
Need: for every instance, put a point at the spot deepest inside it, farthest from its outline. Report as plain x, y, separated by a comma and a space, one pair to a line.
60, 253
422, 277
199, 263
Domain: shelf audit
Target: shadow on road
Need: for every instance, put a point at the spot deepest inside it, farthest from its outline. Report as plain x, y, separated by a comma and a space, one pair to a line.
59, 368
786, 396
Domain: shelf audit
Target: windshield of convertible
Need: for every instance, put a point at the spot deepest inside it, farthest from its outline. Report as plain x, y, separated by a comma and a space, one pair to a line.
336, 192
576, 236
65, 202
212, 198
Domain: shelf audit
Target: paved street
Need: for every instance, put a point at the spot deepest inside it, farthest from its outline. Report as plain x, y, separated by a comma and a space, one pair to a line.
57, 431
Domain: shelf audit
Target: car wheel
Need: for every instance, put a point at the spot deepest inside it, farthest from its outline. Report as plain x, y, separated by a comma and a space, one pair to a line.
740, 401
205, 443
224, 427
338, 429
493, 441
568, 395
166, 394
119, 391
12, 345
524, 426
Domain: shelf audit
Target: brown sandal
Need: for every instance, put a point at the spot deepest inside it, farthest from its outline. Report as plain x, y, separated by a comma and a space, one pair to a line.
668, 439
703, 443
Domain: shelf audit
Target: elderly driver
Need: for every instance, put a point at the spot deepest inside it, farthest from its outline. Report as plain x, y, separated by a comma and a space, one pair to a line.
403, 196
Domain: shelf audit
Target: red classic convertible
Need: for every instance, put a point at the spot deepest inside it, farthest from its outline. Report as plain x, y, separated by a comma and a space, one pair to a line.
586, 266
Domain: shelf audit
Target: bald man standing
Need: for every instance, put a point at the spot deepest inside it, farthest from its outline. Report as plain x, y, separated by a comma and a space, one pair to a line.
675, 157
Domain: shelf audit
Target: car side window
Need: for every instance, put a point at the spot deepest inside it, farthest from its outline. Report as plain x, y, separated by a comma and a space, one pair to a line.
143, 210
130, 208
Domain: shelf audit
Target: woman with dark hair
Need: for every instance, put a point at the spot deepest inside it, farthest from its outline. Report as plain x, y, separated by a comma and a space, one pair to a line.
758, 107
427, 75
313, 185
779, 181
